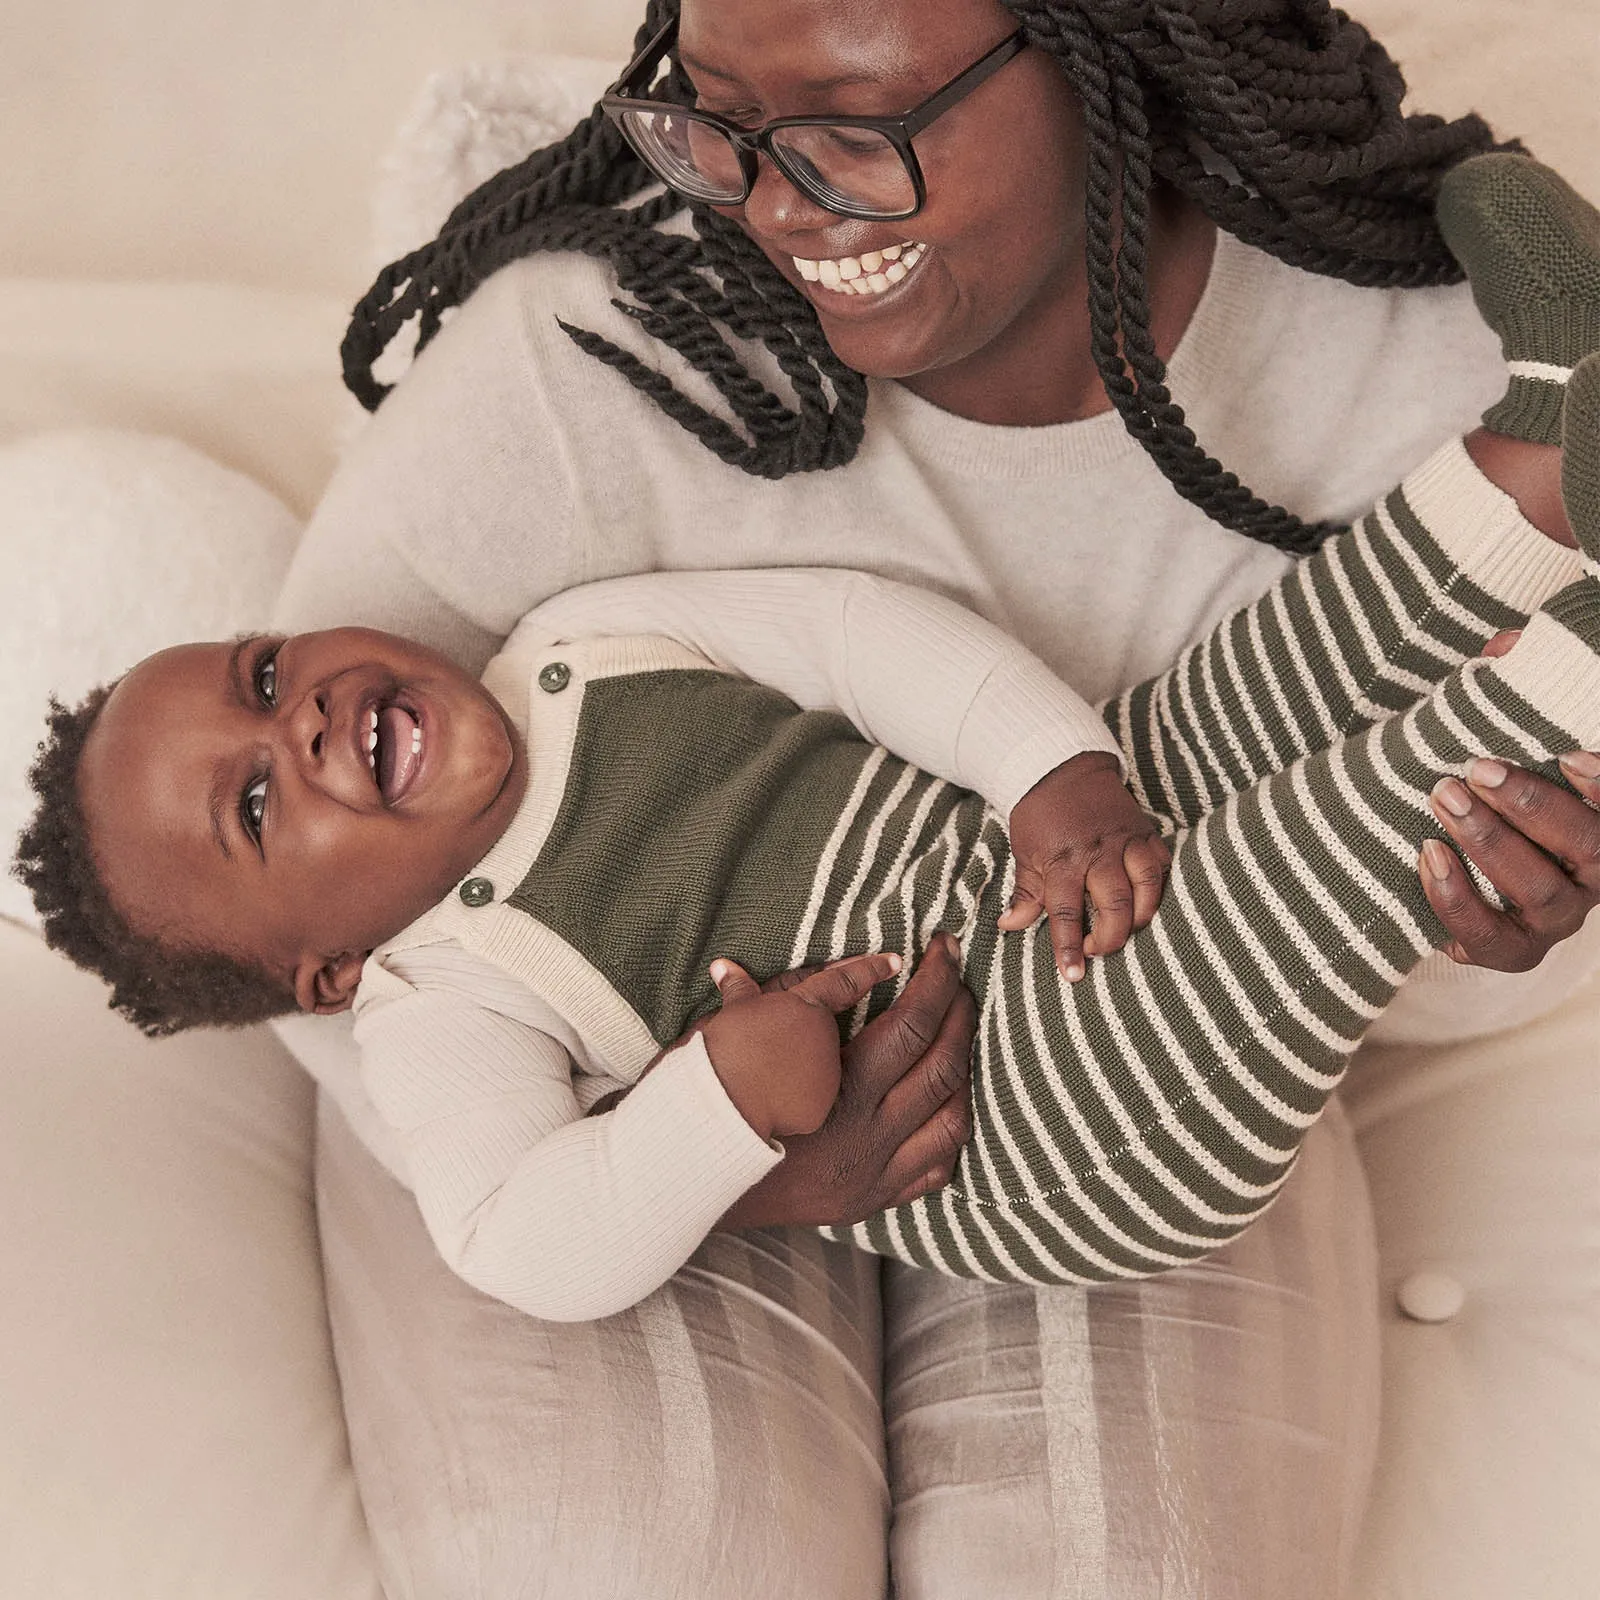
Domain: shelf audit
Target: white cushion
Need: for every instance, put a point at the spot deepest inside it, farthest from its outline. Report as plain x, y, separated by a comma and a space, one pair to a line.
170, 1415
1482, 1159
116, 544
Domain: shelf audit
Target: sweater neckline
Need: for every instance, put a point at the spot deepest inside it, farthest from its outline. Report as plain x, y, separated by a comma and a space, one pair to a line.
1236, 282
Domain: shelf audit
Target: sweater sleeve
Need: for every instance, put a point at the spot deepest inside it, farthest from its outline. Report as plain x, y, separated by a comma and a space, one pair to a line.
563, 1216
916, 673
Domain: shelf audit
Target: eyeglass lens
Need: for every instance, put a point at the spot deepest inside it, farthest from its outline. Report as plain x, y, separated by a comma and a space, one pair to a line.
853, 169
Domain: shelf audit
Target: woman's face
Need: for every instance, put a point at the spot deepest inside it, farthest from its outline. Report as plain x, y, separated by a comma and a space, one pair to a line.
999, 276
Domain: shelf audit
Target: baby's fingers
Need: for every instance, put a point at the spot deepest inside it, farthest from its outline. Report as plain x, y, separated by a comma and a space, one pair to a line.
732, 981
1025, 909
1111, 895
1148, 861
1063, 904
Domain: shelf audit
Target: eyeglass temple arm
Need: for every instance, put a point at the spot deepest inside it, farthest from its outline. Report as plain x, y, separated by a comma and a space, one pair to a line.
974, 77
657, 47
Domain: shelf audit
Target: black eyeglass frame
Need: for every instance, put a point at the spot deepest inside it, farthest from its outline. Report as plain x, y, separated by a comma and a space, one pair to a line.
749, 143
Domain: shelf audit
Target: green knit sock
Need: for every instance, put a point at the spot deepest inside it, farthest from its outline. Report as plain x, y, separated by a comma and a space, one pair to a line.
1580, 459
1530, 247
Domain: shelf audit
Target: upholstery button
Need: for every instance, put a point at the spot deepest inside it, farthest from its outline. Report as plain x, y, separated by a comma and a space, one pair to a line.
1431, 1297
476, 892
554, 677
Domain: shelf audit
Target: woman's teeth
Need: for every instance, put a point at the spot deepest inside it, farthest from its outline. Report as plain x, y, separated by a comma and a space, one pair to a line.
871, 273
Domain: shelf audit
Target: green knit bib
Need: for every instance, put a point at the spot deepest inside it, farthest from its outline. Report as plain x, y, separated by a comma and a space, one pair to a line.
708, 816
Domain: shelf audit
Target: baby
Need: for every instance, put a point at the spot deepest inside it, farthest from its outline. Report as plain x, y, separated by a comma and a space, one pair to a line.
523, 885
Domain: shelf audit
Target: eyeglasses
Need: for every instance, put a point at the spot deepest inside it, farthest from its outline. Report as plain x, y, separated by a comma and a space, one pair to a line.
860, 167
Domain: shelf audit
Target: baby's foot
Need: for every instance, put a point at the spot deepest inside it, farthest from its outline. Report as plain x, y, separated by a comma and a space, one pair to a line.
1580, 460
1530, 247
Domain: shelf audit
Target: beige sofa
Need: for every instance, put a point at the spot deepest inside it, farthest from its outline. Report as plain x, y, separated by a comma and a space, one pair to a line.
187, 213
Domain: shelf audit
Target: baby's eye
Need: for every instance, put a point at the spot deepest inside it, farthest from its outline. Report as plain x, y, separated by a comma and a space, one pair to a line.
267, 678
253, 807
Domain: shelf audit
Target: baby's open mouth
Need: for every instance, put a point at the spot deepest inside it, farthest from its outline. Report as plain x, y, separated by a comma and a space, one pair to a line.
394, 749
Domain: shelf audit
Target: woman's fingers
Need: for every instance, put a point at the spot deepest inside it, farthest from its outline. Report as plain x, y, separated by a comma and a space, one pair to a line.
1536, 843
939, 1074
1483, 936
893, 1043
1554, 819
901, 1116
931, 1153
840, 984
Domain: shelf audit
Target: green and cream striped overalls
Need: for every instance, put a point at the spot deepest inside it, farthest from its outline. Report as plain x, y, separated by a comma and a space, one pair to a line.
1145, 1116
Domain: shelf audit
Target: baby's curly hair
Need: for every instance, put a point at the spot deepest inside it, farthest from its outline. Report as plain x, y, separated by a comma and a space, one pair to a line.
159, 988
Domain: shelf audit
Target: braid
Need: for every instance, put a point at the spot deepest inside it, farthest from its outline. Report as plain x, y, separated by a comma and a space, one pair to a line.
1280, 119
158, 989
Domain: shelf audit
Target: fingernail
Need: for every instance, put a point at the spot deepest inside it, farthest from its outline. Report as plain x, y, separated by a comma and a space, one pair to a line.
719, 970
1452, 795
895, 963
1436, 858
1487, 774
1585, 763
1074, 972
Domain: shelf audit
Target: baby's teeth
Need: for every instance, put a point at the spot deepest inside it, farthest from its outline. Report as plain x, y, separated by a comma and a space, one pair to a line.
416, 741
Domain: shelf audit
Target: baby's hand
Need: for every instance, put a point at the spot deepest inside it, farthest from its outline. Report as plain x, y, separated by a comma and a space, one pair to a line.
1078, 836
777, 1054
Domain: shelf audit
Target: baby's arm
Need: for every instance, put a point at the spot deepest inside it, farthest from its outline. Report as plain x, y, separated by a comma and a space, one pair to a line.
927, 679
939, 687
562, 1215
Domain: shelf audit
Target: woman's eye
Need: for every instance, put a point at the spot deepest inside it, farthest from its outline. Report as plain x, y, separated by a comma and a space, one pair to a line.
253, 807
267, 678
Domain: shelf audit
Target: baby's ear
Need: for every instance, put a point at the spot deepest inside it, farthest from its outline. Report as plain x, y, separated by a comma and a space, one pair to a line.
328, 984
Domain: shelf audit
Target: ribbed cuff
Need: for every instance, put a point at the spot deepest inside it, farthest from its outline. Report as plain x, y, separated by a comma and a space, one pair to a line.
1482, 530
1530, 409
1558, 333
1555, 666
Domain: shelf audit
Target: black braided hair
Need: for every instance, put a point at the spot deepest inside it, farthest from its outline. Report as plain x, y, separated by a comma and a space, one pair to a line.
159, 989
1280, 119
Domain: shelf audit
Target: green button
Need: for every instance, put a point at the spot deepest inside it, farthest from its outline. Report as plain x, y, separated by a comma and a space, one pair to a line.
555, 677
476, 892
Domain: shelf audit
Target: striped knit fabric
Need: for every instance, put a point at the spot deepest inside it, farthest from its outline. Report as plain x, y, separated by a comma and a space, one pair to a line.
1145, 1116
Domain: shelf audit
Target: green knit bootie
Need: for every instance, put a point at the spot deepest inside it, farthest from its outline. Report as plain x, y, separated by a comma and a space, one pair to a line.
1580, 460
1530, 247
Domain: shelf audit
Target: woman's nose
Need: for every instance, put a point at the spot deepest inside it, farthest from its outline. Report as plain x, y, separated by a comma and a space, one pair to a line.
774, 206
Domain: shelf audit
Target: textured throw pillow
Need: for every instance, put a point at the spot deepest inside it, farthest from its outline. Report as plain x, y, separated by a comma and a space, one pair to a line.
467, 124
112, 545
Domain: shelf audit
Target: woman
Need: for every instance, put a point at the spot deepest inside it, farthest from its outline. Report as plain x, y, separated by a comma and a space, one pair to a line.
1114, 197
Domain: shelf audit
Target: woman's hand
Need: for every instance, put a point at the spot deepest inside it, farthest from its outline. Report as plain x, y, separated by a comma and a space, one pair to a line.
1079, 840
776, 1051
1536, 842
901, 1116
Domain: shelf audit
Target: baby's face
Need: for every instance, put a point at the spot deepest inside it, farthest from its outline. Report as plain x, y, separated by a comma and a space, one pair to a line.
295, 802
